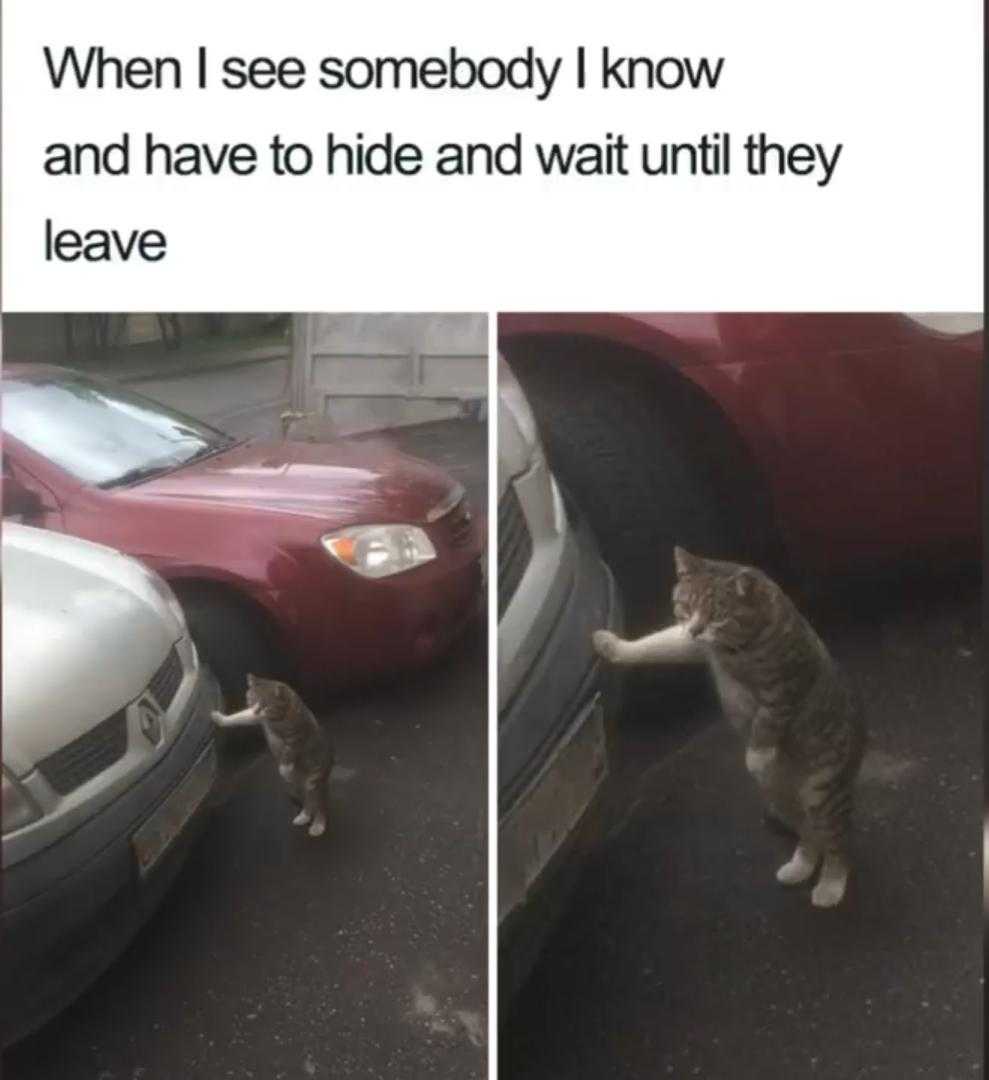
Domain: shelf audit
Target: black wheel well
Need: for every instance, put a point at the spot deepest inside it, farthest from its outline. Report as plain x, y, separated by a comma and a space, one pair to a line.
187, 589
701, 426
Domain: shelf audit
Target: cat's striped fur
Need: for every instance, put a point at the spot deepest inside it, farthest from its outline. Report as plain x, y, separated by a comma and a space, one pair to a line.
800, 720
300, 747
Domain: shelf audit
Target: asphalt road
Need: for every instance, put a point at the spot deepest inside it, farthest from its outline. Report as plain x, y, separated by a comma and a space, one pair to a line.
681, 956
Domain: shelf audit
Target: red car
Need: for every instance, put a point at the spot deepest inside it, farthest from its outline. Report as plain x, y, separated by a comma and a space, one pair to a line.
331, 563
823, 441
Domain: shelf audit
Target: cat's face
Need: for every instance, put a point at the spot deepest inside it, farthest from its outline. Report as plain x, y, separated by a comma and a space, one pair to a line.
720, 602
264, 695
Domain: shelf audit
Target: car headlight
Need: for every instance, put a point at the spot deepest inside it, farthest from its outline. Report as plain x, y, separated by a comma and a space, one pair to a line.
18, 807
377, 551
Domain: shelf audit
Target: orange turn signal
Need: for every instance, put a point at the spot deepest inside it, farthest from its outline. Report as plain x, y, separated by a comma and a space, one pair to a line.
344, 547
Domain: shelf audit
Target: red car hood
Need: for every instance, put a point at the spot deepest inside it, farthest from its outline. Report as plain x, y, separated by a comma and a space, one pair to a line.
341, 483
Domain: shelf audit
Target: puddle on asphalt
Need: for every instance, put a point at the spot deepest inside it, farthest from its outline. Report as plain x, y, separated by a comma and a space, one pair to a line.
438, 1021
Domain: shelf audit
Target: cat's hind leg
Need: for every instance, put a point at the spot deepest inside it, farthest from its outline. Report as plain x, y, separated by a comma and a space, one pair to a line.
830, 887
782, 813
803, 862
827, 800
289, 774
316, 803
784, 804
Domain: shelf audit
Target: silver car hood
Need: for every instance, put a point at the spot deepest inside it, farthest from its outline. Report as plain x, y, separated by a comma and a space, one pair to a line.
83, 632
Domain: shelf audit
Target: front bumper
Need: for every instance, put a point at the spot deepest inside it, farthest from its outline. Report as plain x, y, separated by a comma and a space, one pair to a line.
71, 909
357, 629
550, 807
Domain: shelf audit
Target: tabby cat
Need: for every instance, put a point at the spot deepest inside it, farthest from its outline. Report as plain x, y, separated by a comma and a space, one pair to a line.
802, 724
299, 745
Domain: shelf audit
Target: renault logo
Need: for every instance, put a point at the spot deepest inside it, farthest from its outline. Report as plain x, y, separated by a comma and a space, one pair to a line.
150, 721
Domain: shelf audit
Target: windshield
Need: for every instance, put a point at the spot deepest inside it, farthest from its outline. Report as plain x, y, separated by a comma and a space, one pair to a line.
100, 433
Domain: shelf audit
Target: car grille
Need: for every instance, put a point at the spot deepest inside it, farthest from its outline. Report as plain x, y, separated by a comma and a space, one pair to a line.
514, 547
99, 748
458, 525
165, 681
87, 756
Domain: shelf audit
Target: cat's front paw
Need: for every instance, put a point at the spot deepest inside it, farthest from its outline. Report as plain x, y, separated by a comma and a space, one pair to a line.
606, 644
216, 716
317, 828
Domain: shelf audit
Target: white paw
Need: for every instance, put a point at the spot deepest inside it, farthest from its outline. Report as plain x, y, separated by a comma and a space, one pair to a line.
798, 870
302, 818
606, 644
216, 716
827, 893
759, 761
317, 828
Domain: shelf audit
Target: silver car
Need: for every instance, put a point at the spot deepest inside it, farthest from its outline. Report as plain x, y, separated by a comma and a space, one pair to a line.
108, 762
556, 705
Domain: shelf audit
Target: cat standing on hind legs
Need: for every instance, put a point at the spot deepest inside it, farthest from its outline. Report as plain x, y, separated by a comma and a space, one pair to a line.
298, 744
802, 724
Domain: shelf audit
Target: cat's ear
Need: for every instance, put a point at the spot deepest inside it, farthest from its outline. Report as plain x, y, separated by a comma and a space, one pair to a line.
685, 562
745, 583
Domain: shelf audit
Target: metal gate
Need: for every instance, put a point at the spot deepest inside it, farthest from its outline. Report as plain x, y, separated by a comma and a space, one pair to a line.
371, 371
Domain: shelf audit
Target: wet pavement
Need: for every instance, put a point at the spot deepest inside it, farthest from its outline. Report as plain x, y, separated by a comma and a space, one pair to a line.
681, 955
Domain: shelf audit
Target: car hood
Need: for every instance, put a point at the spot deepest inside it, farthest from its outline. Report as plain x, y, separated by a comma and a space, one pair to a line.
341, 483
82, 635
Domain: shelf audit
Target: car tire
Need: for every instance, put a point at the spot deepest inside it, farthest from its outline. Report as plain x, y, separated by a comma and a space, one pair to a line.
230, 641
615, 444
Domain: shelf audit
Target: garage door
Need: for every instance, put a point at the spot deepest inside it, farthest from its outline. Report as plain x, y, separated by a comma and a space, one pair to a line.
371, 371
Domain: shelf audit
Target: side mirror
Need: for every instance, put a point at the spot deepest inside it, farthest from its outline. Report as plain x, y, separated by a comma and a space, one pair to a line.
19, 501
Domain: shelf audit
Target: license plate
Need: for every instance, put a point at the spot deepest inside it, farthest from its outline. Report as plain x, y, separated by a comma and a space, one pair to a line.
545, 816
156, 835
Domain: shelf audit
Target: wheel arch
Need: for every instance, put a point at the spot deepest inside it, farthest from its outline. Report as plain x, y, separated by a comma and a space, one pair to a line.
187, 586
703, 425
